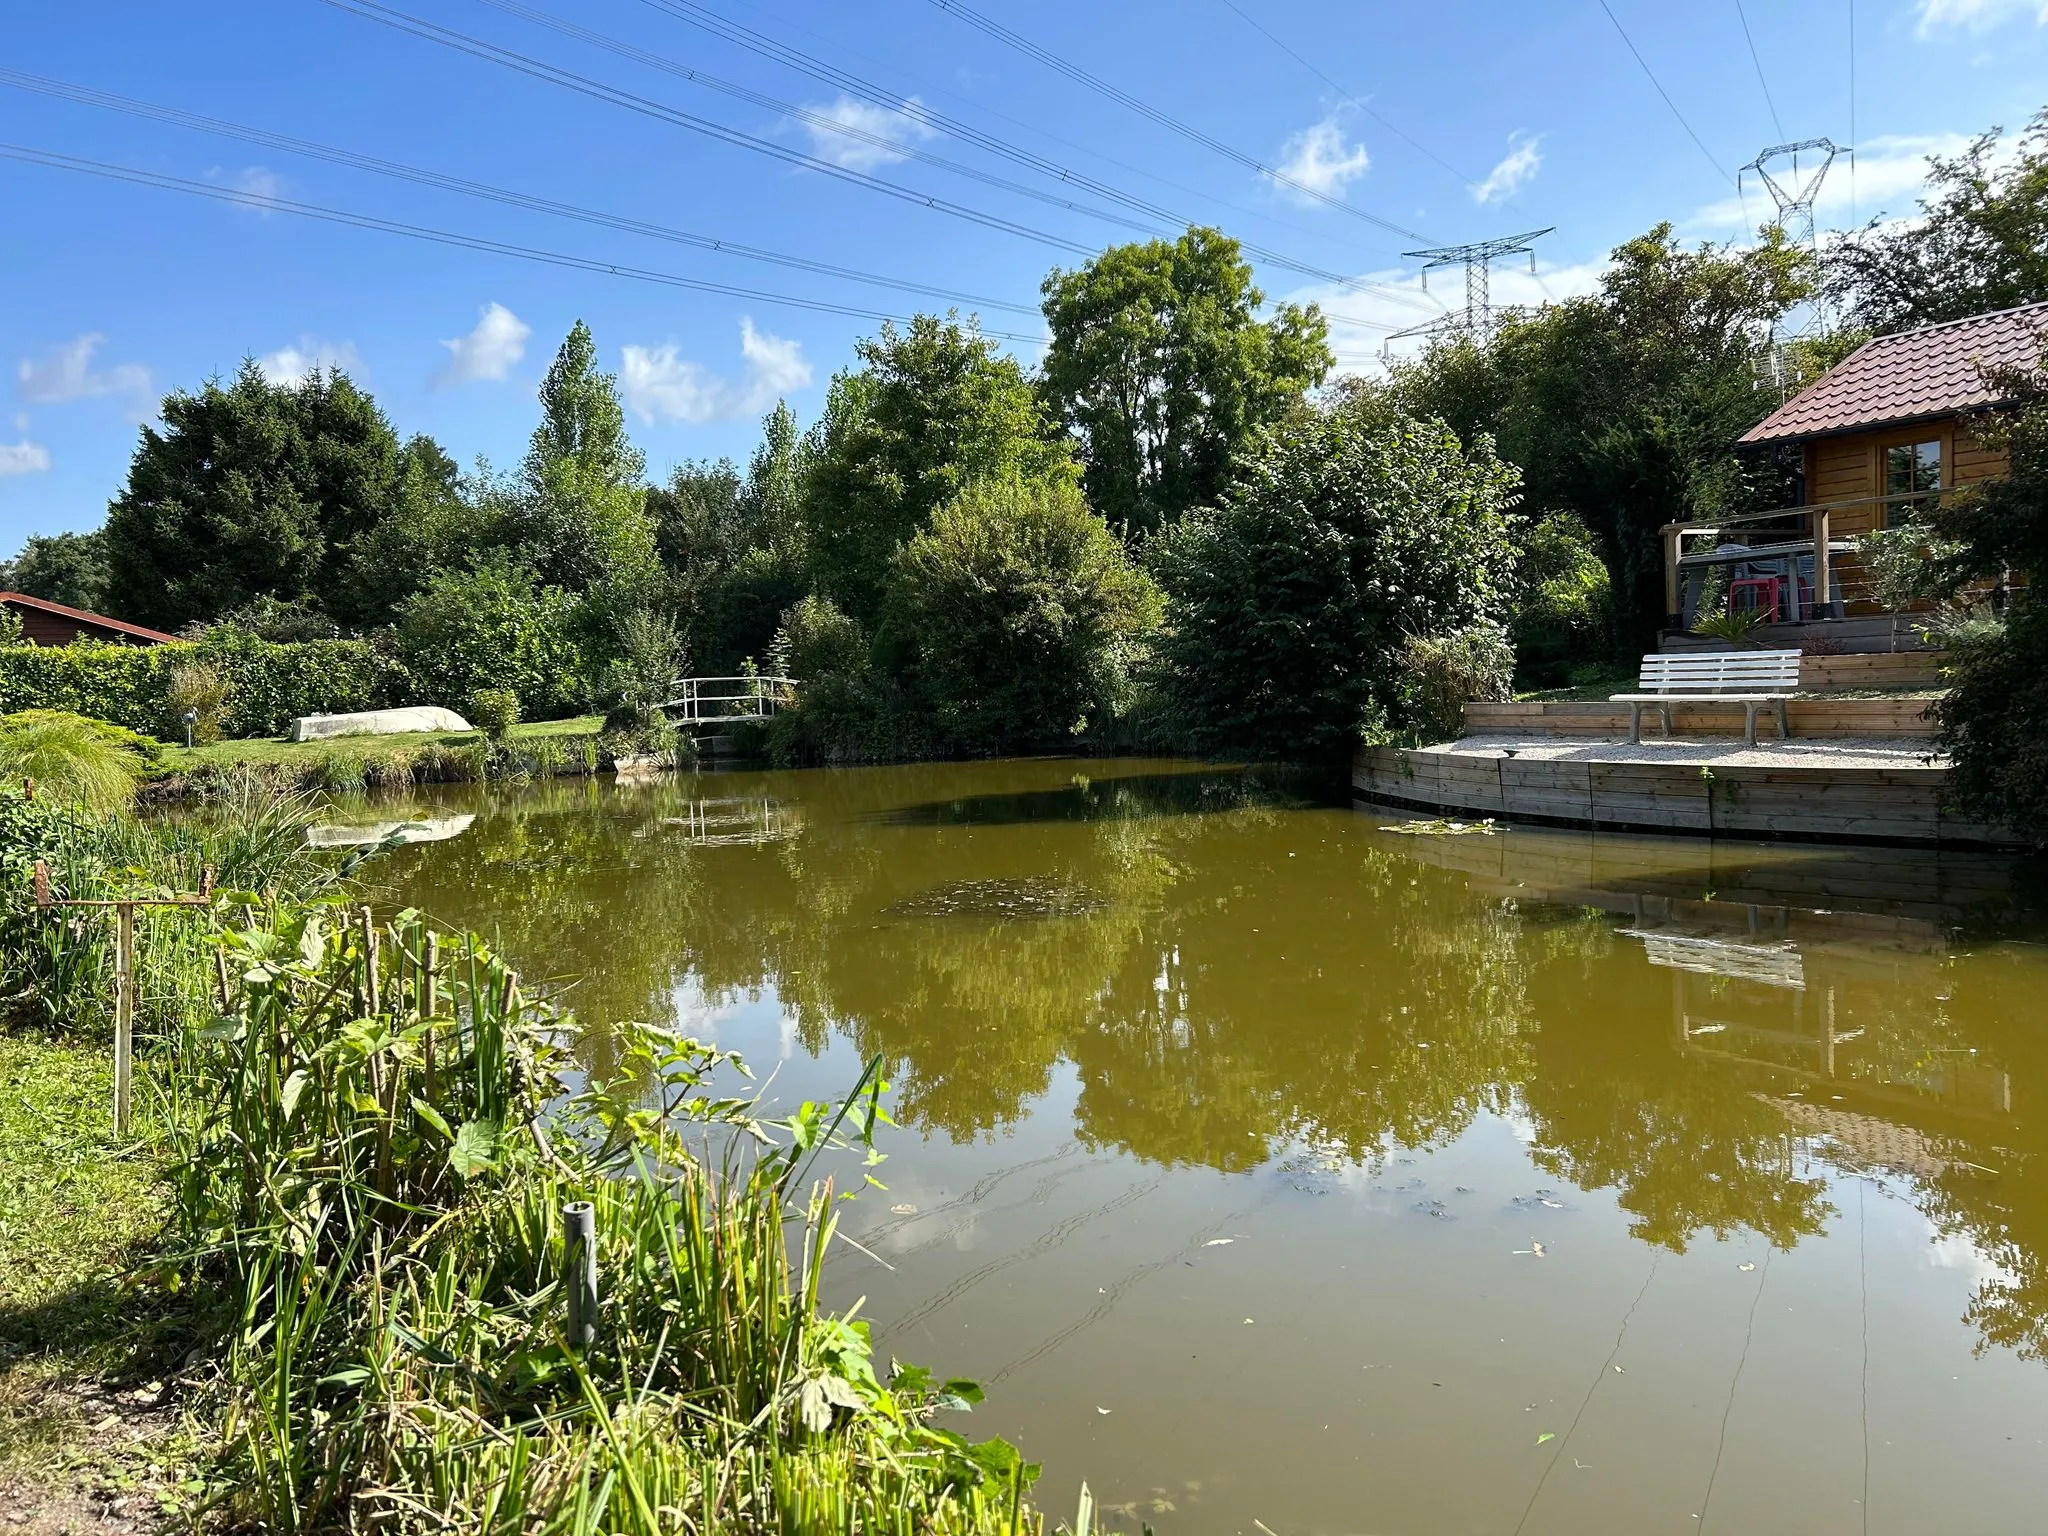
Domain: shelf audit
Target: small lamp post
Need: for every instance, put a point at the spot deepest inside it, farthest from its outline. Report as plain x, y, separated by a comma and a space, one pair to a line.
191, 719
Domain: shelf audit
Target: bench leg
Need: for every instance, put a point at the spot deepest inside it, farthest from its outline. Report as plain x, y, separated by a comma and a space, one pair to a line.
1749, 724
1784, 730
1665, 711
1635, 724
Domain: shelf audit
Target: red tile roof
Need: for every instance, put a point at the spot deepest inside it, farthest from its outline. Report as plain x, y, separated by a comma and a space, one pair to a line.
86, 616
1933, 371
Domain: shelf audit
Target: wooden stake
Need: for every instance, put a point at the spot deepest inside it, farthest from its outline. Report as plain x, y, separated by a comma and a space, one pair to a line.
124, 1014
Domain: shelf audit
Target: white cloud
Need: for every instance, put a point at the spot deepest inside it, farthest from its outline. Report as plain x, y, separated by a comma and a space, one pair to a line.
1320, 159
852, 133
661, 385
66, 373
258, 183
23, 458
1361, 322
295, 365
490, 351
1516, 169
1976, 15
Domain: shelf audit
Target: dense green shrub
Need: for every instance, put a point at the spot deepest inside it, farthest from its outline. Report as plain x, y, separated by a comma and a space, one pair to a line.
1995, 717
1563, 601
493, 626
1288, 604
1441, 673
494, 711
198, 689
816, 640
269, 685
1019, 610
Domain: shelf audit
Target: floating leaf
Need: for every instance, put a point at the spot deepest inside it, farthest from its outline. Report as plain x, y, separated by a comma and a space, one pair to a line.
1219, 1242
1546, 1435
1745, 1268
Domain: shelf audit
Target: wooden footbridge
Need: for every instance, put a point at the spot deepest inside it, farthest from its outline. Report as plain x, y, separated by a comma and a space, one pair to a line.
728, 700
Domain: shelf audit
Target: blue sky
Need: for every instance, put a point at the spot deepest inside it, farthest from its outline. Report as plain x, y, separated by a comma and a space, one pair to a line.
1452, 121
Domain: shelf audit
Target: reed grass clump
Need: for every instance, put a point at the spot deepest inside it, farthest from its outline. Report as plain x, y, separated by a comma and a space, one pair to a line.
374, 1136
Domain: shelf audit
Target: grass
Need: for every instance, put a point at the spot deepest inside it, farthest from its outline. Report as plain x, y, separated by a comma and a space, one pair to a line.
273, 749
84, 1352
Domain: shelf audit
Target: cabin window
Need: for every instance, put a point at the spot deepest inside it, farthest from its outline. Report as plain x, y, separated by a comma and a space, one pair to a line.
1911, 468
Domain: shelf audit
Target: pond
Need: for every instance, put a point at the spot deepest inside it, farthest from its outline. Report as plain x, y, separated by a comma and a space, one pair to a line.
1276, 1171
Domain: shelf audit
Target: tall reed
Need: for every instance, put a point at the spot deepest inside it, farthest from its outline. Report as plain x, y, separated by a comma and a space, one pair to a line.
375, 1135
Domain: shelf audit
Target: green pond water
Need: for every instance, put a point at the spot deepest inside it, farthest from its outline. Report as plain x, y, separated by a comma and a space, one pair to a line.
1277, 1172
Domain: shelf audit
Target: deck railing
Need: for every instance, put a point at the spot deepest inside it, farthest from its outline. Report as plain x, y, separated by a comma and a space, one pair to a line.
1802, 539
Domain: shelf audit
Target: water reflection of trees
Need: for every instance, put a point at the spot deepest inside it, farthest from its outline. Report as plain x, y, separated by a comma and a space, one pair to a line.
1240, 977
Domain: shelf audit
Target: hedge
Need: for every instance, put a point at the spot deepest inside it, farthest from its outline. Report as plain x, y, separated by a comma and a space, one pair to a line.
270, 684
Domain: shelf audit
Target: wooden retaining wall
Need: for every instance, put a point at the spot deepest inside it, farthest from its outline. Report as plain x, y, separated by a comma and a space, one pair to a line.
1854, 804
1903, 717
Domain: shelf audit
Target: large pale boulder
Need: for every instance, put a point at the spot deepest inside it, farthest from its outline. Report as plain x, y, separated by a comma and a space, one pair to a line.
378, 722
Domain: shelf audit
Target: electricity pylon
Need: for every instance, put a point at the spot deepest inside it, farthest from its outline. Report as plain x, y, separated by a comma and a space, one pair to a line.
1477, 257
1795, 200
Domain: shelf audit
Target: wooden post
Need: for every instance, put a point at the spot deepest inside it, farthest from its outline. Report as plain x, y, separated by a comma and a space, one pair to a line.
1674, 547
124, 1013
1823, 575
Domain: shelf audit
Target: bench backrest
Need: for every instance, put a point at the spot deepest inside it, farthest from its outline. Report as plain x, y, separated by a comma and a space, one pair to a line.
1711, 672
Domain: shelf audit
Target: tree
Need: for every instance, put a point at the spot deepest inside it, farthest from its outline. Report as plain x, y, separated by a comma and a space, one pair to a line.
68, 568
1994, 719
1161, 367
931, 408
1562, 598
734, 547
1019, 608
492, 625
580, 515
1287, 603
437, 522
1980, 243
1624, 406
251, 489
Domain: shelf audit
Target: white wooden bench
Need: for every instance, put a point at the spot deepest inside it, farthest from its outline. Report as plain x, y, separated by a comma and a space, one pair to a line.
1757, 680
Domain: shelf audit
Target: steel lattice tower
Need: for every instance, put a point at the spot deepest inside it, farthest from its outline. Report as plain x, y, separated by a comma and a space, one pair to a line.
1795, 201
1477, 258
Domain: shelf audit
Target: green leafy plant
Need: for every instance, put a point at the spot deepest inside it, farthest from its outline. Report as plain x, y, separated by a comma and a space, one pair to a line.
652, 656
79, 761
1020, 611
199, 689
1440, 674
494, 711
1733, 625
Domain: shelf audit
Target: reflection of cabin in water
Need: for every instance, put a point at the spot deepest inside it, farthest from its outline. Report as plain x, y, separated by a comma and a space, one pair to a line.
1880, 436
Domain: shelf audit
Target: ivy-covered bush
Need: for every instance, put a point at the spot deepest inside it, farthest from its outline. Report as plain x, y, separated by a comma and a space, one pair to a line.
268, 684
1289, 603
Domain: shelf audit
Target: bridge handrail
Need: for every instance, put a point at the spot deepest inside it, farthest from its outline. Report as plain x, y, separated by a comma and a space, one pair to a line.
765, 692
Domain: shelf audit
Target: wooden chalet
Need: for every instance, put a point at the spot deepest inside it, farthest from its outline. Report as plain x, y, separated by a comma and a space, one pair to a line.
1883, 432
46, 623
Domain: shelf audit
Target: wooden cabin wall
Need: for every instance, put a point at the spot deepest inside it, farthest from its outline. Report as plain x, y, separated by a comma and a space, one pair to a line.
1851, 466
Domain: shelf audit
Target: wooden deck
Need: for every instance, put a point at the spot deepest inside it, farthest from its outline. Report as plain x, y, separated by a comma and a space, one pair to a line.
1899, 717
1886, 793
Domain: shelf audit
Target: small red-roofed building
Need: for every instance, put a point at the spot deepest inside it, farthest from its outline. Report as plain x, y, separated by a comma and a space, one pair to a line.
46, 623
1881, 434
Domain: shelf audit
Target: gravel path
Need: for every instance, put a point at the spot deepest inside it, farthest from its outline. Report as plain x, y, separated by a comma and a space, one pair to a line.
1833, 752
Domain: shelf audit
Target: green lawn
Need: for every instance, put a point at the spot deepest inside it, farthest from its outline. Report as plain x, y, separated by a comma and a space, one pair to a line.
87, 1342
272, 749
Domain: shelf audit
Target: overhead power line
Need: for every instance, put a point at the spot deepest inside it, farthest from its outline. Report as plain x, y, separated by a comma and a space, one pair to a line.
1652, 74
90, 96
690, 13
1757, 60
822, 121
476, 47
540, 69
1310, 65
1150, 113
56, 160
